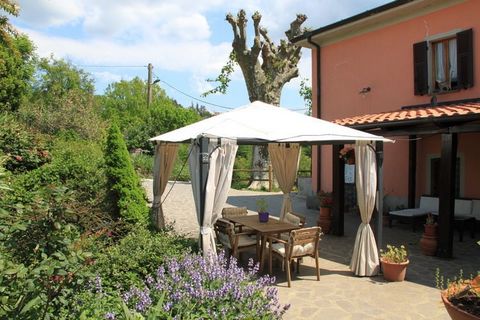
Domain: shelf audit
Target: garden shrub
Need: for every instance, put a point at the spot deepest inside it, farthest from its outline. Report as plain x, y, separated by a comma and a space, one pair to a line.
125, 197
24, 150
42, 260
143, 164
194, 287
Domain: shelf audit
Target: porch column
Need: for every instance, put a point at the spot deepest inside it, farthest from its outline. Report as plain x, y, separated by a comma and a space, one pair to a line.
338, 192
412, 171
379, 216
203, 176
447, 195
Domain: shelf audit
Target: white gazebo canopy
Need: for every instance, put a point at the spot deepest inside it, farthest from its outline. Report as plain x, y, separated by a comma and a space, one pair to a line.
259, 122
212, 154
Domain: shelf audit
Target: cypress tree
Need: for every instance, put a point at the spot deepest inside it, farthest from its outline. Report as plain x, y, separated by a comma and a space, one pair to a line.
125, 195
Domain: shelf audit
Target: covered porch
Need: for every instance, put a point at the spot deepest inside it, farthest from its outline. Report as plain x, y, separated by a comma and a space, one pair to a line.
430, 129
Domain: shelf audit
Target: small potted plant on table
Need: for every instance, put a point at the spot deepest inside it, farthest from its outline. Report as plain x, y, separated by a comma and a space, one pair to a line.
394, 263
461, 297
262, 207
325, 217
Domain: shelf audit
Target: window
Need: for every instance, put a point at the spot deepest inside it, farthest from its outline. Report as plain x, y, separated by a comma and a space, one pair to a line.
444, 64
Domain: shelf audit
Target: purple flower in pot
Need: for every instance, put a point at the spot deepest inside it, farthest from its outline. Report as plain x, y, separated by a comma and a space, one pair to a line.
262, 207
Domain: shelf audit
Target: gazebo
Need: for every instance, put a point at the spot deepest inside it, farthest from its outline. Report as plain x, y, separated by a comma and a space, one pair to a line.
214, 142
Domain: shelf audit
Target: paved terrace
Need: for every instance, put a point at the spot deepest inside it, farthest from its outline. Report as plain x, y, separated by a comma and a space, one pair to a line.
339, 294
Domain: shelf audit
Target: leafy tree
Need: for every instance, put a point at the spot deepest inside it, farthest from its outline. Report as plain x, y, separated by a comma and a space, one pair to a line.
7, 31
16, 70
126, 102
62, 101
125, 194
266, 68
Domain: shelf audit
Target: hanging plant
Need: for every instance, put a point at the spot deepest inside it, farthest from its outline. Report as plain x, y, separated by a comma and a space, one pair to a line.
347, 154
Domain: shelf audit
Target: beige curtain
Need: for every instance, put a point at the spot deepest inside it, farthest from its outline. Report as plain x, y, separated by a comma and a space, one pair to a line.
219, 180
165, 154
365, 254
285, 159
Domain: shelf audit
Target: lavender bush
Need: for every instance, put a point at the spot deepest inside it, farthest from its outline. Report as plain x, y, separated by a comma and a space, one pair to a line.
195, 287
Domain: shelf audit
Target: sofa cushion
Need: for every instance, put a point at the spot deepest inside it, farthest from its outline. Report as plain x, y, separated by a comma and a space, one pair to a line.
463, 207
476, 209
429, 204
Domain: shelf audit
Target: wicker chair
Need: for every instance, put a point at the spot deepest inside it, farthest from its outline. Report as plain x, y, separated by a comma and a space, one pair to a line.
301, 243
232, 240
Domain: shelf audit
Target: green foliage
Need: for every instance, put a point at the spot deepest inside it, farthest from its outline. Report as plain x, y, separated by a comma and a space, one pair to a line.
42, 261
140, 253
394, 254
243, 160
23, 149
126, 102
306, 93
143, 164
16, 70
223, 78
62, 101
305, 165
125, 196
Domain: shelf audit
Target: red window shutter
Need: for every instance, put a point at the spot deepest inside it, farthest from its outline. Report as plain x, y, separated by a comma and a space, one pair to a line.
420, 68
465, 58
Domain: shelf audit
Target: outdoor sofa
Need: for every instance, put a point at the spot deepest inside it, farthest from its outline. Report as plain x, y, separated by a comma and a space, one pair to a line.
467, 213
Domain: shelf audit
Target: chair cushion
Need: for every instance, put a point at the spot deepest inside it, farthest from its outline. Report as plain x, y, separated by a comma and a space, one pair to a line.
298, 250
429, 204
411, 212
292, 219
243, 240
476, 209
463, 207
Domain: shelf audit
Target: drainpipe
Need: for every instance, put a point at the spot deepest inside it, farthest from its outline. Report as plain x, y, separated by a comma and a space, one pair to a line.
319, 110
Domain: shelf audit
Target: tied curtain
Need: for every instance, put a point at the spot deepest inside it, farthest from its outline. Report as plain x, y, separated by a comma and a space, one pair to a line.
165, 154
365, 254
285, 158
221, 160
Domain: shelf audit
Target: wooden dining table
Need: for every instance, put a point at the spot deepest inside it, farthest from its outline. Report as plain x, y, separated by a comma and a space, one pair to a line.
263, 229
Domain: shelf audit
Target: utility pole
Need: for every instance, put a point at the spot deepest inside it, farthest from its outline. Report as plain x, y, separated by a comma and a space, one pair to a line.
149, 85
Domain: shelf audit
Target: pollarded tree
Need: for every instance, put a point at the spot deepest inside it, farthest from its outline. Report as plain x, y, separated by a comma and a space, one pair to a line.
266, 67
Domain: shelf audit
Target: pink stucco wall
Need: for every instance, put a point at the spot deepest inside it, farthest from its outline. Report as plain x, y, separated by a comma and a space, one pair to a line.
383, 61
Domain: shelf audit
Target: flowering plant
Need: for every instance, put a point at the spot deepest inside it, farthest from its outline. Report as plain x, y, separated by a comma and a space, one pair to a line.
461, 292
203, 287
347, 154
394, 254
326, 199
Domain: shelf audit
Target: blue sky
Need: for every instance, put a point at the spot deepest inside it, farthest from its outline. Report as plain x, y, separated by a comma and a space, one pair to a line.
186, 41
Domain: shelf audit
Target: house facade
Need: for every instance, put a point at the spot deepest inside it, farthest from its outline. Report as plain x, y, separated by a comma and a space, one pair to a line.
408, 70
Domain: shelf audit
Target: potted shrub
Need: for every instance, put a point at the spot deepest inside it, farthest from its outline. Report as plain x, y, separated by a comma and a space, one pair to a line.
461, 297
394, 262
325, 217
429, 242
262, 207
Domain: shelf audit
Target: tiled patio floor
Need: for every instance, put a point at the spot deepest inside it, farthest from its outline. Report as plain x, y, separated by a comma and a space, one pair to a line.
339, 294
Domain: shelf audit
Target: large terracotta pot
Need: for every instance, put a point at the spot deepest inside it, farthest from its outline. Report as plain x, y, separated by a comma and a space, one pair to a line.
394, 271
325, 219
429, 242
456, 313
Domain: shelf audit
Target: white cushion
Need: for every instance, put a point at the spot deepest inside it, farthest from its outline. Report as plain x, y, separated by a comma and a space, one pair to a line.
298, 250
476, 209
429, 204
463, 207
243, 240
410, 212
292, 219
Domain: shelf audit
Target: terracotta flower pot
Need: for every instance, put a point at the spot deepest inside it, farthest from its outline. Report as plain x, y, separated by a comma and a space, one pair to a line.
325, 219
429, 242
394, 271
456, 313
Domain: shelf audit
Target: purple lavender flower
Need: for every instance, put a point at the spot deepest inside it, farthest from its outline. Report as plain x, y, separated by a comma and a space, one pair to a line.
110, 316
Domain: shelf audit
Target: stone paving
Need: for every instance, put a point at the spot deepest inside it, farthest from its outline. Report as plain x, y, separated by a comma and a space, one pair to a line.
339, 294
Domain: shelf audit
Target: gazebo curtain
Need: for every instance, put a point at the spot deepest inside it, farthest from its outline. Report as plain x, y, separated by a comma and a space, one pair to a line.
222, 158
365, 254
285, 159
165, 154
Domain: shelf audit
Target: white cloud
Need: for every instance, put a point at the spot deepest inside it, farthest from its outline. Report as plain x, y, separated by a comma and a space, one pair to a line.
47, 13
